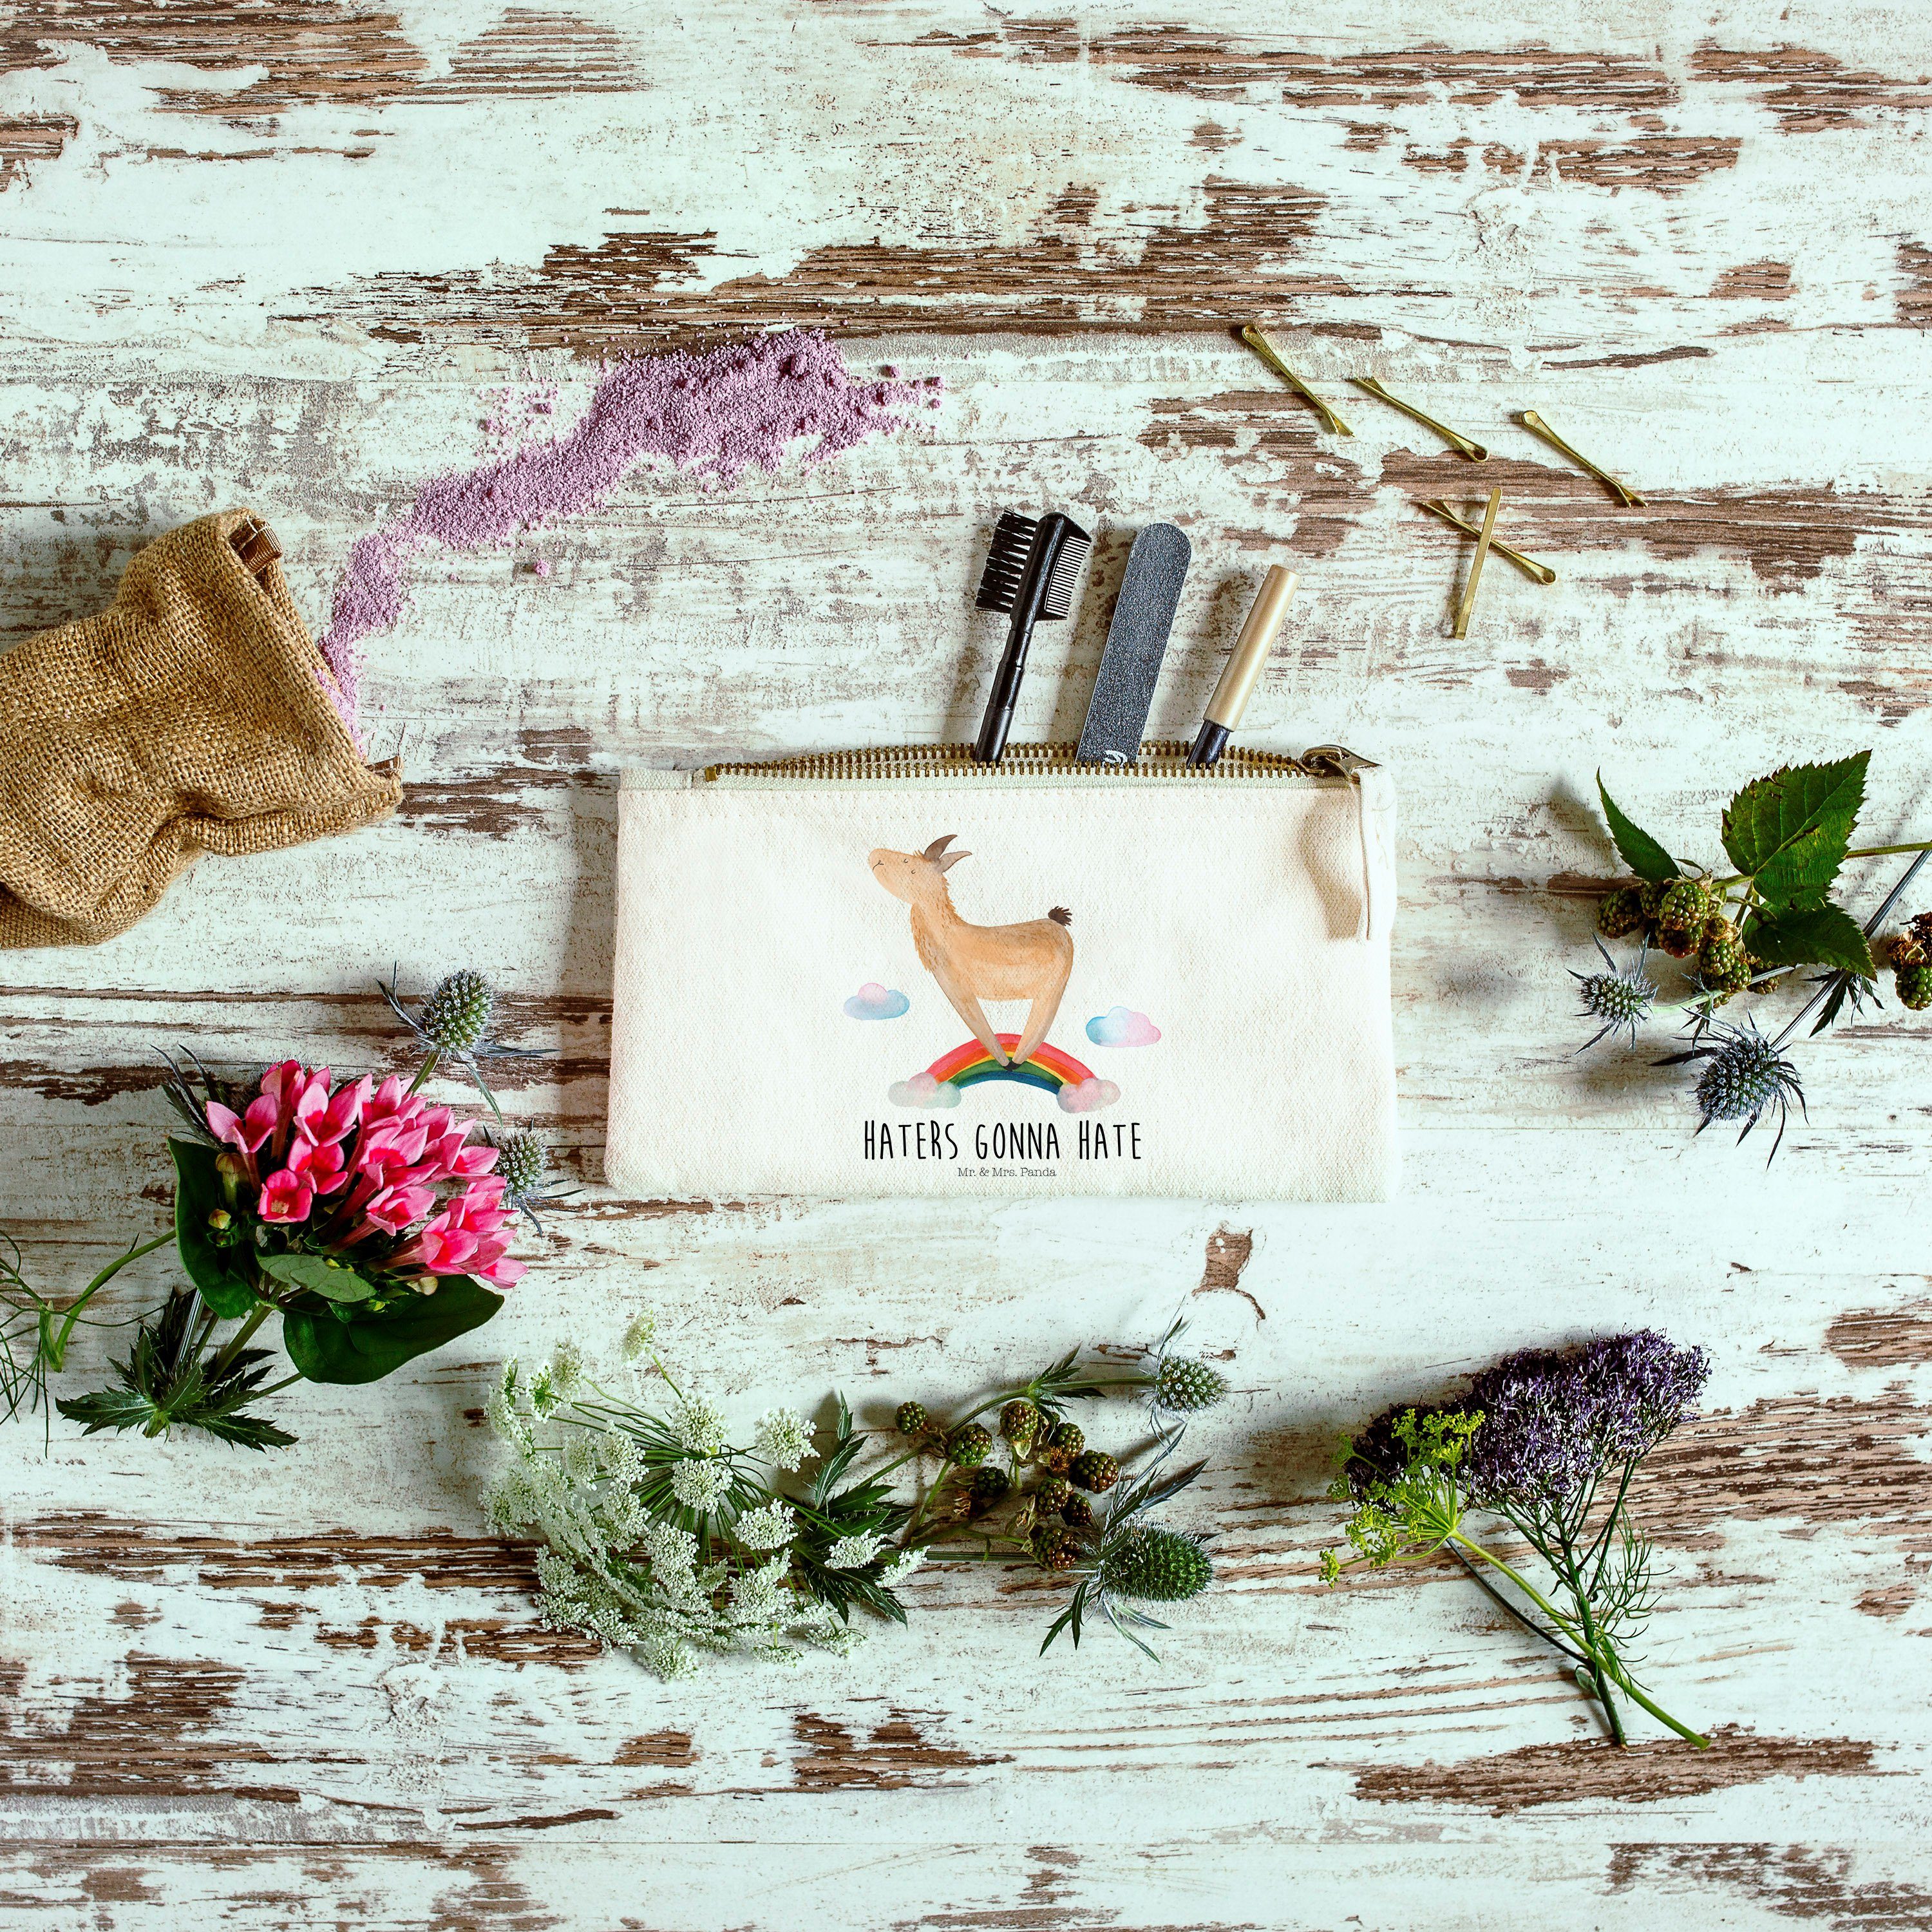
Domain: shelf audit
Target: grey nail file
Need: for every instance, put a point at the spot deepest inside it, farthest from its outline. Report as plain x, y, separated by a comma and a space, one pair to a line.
1136, 642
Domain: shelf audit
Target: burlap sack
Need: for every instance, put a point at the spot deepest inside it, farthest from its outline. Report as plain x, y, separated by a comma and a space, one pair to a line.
192, 715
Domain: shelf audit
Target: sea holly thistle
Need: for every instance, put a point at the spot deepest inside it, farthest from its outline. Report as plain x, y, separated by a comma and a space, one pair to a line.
1549, 1442
1788, 835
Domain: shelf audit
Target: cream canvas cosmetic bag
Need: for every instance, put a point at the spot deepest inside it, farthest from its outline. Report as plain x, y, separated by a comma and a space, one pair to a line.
902, 973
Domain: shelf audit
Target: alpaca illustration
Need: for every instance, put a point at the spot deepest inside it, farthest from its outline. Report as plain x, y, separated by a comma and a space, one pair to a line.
1029, 961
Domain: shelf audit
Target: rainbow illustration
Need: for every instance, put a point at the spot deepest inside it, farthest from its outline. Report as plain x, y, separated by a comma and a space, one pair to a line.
1049, 1069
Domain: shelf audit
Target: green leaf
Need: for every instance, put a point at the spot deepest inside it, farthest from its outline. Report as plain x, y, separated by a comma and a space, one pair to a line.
224, 1285
1642, 854
1788, 832
327, 1278
342, 1343
1825, 935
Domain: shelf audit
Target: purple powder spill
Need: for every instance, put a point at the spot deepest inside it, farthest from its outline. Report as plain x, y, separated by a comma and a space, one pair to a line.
714, 414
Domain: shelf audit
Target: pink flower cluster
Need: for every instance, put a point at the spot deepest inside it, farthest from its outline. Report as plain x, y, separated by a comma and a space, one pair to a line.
372, 1160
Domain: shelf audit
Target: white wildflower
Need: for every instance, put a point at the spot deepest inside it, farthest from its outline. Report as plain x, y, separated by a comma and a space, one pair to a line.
770, 1527
756, 1595
901, 1566
639, 1336
668, 1547
663, 1654
699, 1425
502, 1414
852, 1553
699, 1482
783, 1440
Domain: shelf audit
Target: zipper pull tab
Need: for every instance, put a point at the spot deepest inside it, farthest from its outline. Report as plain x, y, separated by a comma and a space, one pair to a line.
1334, 761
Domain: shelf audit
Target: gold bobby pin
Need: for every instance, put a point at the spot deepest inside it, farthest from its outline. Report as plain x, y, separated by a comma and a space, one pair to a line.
1629, 497
1474, 451
1527, 565
1468, 596
1265, 349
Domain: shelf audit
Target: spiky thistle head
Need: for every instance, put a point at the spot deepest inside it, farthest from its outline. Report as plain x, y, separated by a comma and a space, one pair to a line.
457, 1016
1621, 1000
523, 1165
1186, 1387
1744, 1077
1158, 1565
455, 1023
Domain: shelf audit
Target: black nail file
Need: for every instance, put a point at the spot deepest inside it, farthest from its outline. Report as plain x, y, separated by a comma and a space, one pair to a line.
1136, 642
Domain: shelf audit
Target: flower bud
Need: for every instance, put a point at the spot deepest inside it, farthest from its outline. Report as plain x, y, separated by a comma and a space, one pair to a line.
424, 1284
219, 1219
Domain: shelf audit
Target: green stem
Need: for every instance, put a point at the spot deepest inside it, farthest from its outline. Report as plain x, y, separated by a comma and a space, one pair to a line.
425, 1069
919, 1509
1566, 1624
53, 1346
235, 1343
1595, 1644
1662, 1717
1609, 1658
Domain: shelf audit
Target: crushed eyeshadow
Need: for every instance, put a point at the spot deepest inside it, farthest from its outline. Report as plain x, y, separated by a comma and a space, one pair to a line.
715, 415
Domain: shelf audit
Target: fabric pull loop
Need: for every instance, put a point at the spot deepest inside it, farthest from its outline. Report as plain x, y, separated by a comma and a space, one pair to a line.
1375, 801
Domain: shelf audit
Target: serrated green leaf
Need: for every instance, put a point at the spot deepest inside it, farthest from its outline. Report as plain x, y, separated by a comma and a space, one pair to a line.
1789, 831
1641, 853
225, 1286
1825, 935
343, 1343
328, 1278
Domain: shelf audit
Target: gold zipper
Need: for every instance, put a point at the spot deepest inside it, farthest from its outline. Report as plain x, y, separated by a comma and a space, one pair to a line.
1159, 758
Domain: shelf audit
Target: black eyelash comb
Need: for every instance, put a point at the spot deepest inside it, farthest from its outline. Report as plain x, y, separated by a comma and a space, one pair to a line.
1029, 576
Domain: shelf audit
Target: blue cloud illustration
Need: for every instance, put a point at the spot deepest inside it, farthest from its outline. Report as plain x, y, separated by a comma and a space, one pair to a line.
1119, 1026
873, 1001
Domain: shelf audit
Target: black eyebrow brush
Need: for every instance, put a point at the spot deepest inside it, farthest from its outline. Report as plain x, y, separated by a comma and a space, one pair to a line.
1029, 575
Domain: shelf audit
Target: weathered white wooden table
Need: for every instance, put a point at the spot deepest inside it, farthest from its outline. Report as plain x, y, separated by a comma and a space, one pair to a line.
277, 254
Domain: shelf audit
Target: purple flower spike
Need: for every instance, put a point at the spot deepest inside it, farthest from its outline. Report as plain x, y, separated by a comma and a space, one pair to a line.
1556, 1420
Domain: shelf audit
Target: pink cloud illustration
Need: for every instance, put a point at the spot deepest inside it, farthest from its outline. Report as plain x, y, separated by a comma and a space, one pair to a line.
923, 1090
1088, 1095
873, 1001
1120, 1026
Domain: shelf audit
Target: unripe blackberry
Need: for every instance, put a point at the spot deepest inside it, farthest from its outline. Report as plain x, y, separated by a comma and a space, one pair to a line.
1187, 1386
1650, 897
1621, 913
1723, 963
1019, 1423
1055, 1549
1095, 1470
1683, 902
1913, 985
909, 1417
1077, 1513
1052, 1494
969, 1446
1067, 1436
457, 1015
1160, 1565
989, 1486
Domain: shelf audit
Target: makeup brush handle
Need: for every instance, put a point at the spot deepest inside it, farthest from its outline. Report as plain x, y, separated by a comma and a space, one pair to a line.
1001, 705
